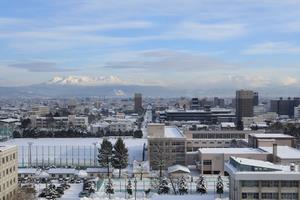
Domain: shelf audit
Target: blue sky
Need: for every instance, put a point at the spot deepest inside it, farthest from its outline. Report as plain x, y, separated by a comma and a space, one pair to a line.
185, 44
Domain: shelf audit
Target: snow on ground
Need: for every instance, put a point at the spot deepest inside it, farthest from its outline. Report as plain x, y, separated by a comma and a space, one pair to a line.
73, 192
68, 151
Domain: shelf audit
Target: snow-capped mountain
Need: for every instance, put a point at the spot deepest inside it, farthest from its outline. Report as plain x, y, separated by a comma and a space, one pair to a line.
86, 80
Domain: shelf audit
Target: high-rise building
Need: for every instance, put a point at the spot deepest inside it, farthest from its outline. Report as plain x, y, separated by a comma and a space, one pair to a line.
244, 104
138, 107
255, 99
9, 172
195, 104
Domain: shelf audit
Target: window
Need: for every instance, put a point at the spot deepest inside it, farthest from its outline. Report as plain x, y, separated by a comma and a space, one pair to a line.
269, 184
269, 195
207, 162
250, 196
249, 183
290, 196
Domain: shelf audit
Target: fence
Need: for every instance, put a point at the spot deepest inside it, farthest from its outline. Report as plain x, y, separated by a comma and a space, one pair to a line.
57, 155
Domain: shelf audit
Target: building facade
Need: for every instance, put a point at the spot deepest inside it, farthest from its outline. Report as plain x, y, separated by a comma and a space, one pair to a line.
255, 179
8, 172
166, 146
244, 104
138, 102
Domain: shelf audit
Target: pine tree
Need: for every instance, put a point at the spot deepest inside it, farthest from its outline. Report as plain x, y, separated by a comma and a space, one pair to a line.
129, 187
220, 186
120, 156
163, 187
105, 153
182, 186
201, 188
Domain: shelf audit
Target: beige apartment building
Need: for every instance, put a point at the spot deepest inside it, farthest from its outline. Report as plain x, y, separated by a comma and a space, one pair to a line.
8, 172
166, 146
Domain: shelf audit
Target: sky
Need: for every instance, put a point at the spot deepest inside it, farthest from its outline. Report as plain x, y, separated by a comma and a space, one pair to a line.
193, 44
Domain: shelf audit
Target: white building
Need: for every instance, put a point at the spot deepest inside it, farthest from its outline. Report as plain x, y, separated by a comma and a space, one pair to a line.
255, 179
8, 172
297, 112
59, 122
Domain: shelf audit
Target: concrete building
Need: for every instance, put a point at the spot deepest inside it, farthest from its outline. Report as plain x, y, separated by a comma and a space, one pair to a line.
138, 102
166, 146
211, 160
283, 154
59, 122
256, 179
244, 104
8, 172
268, 139
297, 112
255, 99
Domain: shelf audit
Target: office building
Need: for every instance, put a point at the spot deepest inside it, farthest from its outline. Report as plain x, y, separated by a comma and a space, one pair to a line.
244, 104
59, 122
285, 106
205, 116
256, 179
138, 102
195, 104
8, 172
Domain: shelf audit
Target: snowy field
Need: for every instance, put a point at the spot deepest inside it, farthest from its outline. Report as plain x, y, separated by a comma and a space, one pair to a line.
67, 151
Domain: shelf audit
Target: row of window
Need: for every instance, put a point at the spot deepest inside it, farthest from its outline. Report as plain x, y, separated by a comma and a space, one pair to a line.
8, 171
8, 184
9, 196
290, 196
219, 135
270, 183
8, 158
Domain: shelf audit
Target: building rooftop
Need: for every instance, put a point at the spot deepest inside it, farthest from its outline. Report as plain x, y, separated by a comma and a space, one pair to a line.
231, 150
172, 132
6, 147
271, 135
284, 152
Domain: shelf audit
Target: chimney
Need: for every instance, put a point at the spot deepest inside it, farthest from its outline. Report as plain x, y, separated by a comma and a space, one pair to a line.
274, 153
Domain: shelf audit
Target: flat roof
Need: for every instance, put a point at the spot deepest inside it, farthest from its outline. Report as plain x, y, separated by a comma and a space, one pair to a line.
284, 152
271, 135
6, 147
9, 120
173, 132
231, 150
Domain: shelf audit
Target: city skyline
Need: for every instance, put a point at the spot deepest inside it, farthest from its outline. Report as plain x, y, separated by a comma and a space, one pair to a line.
200, 45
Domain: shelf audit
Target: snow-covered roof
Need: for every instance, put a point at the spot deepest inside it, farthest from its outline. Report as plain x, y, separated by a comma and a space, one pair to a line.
231, 151
6, 147
227, 124
258, 163
98, 170
173, 132
178, 168
27, 171
9, 120
62, 171
271, 135
284, 152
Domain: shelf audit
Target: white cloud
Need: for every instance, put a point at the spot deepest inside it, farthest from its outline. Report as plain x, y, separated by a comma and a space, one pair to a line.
272, 48
206, 31
289, 81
